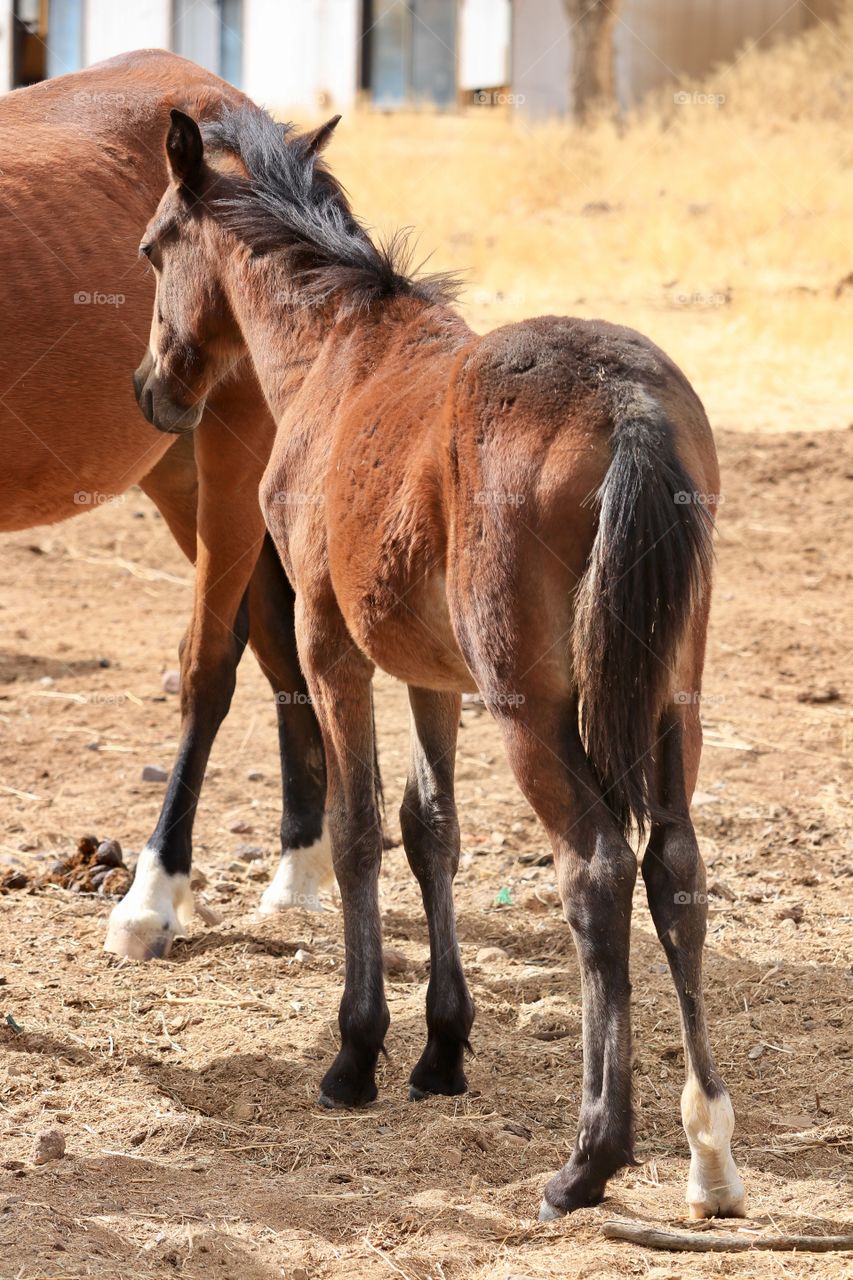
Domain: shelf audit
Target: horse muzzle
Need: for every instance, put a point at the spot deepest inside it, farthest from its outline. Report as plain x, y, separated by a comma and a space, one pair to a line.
157, 405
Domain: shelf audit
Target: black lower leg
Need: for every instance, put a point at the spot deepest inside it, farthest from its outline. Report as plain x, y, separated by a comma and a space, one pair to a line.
598, 905
674, 876
206, 694
363, 1018
343, 692
596, 872
272, 637
430, 832
449, 1008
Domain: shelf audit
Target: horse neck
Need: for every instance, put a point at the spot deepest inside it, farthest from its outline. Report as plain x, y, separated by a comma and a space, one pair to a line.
285, 339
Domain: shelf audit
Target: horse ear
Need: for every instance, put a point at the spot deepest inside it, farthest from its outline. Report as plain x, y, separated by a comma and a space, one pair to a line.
184, 150
319, 139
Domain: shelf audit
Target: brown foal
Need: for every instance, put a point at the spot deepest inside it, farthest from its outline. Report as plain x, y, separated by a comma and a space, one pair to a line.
522, 513
82, 168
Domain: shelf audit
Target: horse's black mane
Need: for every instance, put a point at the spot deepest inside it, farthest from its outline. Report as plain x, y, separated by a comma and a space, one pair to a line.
290, 202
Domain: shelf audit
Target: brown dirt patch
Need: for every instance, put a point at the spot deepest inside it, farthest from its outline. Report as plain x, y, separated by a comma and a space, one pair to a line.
186, 1089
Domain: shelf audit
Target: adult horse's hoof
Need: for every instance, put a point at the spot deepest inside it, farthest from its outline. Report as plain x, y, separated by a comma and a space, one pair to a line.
699, 1212
547, 1212
439, 1070
156, 910
298, 879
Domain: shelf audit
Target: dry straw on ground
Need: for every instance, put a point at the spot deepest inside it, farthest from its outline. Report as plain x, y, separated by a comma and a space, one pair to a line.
186, 1090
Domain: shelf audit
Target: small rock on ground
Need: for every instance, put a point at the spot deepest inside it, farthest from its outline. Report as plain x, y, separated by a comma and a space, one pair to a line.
154, 773
394, 961
48, 1146
248, 852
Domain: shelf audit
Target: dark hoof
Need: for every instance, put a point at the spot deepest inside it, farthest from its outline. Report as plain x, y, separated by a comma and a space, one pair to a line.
443, 1076
329, 1103
347, 1095
574, 1187
351, 1096
342, 1087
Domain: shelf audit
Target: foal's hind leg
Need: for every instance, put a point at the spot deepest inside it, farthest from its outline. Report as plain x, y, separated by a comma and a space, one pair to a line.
675, 885
431, 839
596, 873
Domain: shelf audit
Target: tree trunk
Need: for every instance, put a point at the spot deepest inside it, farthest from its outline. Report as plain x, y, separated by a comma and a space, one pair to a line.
591, 80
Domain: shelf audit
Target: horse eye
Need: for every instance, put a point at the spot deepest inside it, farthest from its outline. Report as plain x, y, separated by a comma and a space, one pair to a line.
145, 250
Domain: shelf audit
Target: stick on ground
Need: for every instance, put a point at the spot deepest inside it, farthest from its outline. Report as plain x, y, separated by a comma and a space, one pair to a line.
705, 1242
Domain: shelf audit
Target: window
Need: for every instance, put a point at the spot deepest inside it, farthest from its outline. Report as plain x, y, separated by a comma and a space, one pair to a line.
210, 32
410, 52
48, 39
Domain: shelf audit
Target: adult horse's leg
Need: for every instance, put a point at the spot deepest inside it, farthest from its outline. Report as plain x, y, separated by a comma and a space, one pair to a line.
230, 530
339, 679
431, 839
306, 859
172, 485
674, 875
596, 872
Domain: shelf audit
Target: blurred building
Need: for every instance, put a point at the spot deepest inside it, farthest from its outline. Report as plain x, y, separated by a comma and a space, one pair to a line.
656, 42
311, 54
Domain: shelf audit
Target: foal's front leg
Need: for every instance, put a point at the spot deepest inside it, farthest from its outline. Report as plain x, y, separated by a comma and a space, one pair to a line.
339, 680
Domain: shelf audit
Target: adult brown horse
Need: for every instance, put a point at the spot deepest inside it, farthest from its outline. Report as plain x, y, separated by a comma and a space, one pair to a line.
521, 513
82, 169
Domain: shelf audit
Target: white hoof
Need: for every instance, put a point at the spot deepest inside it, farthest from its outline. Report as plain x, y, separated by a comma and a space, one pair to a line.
547, 1212
155, 910
715, 1191
300, 875
714, 1188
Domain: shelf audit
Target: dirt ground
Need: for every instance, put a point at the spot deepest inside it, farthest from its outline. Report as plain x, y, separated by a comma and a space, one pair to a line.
186, 1090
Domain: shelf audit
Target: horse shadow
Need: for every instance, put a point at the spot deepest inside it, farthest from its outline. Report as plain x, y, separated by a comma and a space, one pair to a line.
745, 1009
25, 667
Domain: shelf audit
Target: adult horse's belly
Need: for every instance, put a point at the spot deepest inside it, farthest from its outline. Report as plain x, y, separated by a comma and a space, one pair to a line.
74, 316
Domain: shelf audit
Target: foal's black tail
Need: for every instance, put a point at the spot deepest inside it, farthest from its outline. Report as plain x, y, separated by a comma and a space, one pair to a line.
649, 564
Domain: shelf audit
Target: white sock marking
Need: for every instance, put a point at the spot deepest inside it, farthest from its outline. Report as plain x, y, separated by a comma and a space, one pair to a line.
155, 910
713, 1186
299, 877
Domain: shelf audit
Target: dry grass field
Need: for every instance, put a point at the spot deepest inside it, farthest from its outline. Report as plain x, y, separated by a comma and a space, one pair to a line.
720, 229
186, 1090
